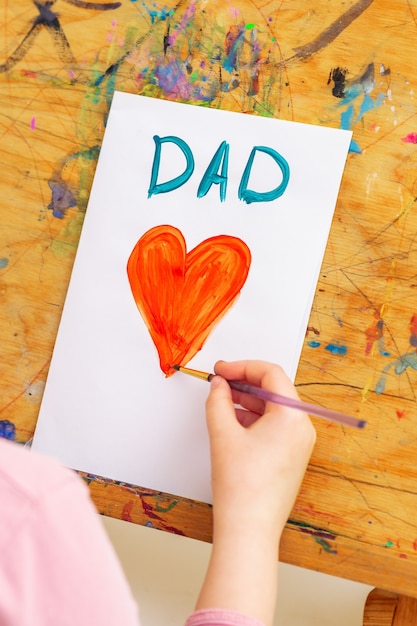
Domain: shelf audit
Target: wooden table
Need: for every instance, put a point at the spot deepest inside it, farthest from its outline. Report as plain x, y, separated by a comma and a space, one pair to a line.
341, 64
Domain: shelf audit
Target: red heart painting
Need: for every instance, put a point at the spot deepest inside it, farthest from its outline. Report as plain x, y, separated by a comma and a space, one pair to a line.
180, 295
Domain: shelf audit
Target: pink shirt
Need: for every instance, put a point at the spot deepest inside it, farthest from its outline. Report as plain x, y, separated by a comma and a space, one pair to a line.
57, 565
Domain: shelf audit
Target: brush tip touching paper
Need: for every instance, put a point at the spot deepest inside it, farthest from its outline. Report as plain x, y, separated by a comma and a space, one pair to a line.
191, 372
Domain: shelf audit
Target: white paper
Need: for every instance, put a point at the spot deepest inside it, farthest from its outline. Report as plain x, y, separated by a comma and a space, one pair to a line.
107, 408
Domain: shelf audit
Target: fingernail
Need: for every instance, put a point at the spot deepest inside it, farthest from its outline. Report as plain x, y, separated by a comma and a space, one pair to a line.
215, 382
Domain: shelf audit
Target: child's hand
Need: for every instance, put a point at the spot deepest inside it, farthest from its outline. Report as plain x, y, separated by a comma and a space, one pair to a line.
259, 454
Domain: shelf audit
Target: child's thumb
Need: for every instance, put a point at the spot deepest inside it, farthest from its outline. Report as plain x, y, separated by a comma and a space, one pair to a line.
219, 405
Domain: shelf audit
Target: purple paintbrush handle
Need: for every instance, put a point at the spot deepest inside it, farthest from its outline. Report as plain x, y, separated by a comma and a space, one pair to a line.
270, 396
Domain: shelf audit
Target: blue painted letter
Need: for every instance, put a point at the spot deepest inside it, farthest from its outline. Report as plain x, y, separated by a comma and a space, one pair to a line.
247, 195
211, 175
170, 185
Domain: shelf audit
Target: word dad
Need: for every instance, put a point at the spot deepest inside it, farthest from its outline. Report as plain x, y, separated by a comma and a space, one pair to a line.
217, 172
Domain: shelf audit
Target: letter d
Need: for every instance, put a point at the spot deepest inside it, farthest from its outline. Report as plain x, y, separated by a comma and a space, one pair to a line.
247, 195
176, 182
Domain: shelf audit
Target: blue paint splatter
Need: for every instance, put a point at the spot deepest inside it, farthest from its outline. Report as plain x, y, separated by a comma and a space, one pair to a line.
346, 123
346, 118
234, 45
325, 545
409, 359
157, 14
4, 262
364, 85
7, 430
172, 77
62, 198
381, 384
314, 344
354, 147
352, 93
406, 360
368, 104
336, 349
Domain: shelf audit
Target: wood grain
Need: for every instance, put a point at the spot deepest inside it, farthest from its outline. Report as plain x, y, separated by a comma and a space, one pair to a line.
383, 608
338, 64
380, 608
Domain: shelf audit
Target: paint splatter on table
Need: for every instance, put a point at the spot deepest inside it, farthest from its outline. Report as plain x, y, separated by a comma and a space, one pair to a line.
343, 64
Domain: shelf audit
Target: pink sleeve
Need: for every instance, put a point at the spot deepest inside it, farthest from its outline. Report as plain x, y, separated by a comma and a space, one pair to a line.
57, 565
221, 617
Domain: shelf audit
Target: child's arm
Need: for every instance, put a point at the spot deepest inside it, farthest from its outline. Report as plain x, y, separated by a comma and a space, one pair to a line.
259, 456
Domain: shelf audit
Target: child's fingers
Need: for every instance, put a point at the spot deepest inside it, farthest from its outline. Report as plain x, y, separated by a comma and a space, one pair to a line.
250, 403
219, 407
246, 418
266, 375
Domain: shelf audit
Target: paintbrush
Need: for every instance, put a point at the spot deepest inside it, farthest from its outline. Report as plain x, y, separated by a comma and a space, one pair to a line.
270, 396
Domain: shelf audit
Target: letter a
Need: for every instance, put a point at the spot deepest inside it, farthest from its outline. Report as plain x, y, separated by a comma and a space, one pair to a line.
211, 175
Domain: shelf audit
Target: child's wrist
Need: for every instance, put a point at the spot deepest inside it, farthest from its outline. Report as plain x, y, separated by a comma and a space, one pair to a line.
250, 512
246, 523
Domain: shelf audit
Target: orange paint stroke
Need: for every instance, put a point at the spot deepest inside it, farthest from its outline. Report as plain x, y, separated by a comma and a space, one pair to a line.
374, 332
182, 296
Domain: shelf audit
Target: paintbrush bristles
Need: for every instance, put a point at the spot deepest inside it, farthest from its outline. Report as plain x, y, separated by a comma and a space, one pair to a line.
191, 372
